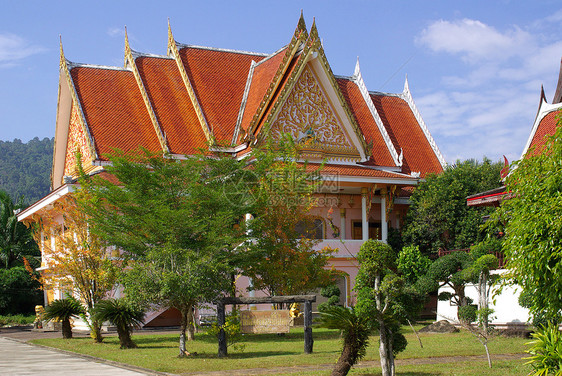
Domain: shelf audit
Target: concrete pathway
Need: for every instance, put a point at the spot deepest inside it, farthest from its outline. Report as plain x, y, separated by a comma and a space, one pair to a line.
18, 359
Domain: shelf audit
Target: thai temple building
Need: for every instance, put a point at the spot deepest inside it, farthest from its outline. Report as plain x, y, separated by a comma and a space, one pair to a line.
376, 145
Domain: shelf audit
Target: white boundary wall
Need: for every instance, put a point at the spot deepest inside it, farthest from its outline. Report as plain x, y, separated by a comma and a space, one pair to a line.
505, 305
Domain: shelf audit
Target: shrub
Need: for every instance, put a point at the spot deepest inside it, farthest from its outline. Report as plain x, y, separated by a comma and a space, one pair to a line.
546, 351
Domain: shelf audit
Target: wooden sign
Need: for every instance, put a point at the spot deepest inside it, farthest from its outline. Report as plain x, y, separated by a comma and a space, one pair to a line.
265, 321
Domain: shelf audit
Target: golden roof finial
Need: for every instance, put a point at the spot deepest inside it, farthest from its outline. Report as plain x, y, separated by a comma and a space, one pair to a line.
301, 25
62, 62
171, 41
313, 30
128, 52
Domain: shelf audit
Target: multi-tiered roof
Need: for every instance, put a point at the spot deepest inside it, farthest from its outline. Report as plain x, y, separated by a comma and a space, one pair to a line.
199, 97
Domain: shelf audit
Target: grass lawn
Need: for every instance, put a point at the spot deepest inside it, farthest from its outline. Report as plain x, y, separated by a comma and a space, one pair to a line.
159, 352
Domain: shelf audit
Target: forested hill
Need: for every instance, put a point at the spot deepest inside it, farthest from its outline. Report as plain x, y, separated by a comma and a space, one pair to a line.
25, 168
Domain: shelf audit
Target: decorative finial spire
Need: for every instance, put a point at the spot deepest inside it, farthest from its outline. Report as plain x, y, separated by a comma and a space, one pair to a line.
357, 71
301, 26
313, 30
128, 52
543, 95
406, 85
171, 41
62, 61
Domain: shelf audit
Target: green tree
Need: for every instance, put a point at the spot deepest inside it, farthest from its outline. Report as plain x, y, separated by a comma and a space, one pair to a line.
25, 168
379, 290
16, 240
355, 330
533, 229
439, 217
177, 228
282, 258
412, 264
19, 291
452, 270
121, 314
78, 257
63, 310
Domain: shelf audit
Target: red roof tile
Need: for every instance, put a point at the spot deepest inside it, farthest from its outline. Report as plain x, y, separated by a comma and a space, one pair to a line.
406, 134
380, 155
218, 78
261, 80
275, 96
546, 127
114, 109
357, 171
172, 105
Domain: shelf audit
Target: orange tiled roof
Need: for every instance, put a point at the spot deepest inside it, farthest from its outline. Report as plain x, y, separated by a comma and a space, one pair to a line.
171, 103
292, 65
546, 127
261, 80
359, 171
114, 110
406, 134
218, 78
117, 116
380, 155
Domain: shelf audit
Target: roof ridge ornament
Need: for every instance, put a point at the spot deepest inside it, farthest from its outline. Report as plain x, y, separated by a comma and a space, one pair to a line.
406, 85
356, 71
313, 31
128, 51
62, 62
301, 25
172, 46
407, 96
357, 78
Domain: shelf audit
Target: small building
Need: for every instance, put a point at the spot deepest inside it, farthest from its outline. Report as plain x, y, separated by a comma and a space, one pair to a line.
376, 145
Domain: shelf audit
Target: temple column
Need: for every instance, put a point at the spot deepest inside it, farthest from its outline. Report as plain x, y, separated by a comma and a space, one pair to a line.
384, 220
364, 218
342, 223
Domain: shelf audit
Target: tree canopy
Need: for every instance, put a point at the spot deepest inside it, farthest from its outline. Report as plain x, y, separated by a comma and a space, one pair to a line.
533, 229
439, 217
25, 168
282, 258
175, 225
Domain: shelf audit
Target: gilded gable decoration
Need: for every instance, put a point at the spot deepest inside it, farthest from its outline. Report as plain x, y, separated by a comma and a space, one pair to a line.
309, 118
77, 143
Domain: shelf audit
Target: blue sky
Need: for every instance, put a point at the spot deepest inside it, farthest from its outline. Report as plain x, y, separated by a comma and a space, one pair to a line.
475, 68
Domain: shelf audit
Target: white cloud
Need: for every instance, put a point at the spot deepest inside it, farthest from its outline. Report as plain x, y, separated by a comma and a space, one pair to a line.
116, 32
473, 40
489, 109
14, 48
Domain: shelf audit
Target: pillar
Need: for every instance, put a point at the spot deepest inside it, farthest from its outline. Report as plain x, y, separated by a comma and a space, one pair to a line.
342, 223
364, 218
384, 220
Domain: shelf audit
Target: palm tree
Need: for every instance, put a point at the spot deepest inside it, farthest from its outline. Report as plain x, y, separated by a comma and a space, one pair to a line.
16, 239
63, 310
123, 316
355, 332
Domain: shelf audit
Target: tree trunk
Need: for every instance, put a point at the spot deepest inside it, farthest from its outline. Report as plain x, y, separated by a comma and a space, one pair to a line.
95, 331
387, 366
344, 363
125, 340
66, 329
385, 351
190, 324
483, 300
183, 327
